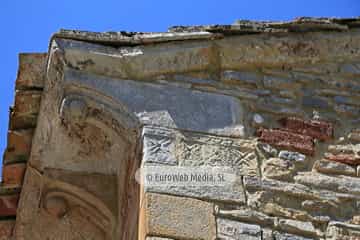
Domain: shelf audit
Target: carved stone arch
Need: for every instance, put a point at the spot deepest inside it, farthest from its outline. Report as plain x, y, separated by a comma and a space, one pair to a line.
68, 204
86, 109
85, 154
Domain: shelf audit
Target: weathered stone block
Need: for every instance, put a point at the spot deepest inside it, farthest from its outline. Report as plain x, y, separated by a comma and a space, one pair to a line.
251, 78
287, 236
350, 159
26, 108
297, 227
232, 230
18, 145
346, 100
158, 238
140, 62
315, 102
292, 156
228, 193
344, 184
165, 147
315, 128
344, 148
354, 135
22, 122
27, 102
31, 70
8, 205
191, 149
246, 214
347, 110
159, 104
273, 82
349, 68
287, 140
13, 173
331, 167
178, 217
277, 168
159, 146
6, 229
343, 231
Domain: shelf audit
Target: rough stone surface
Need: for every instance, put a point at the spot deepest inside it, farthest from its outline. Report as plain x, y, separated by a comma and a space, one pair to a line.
338, 230
314, 128
355, 135
330, 167
292, 156
179, 217
228, 229
336, 183
13, 173
344, 158
18, 146
287, 140
158, 105
6, 229
298, 227
158, 238
8, 205
31, 70
277, 168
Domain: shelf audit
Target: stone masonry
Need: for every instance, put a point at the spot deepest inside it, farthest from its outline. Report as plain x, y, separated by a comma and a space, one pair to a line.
274, 105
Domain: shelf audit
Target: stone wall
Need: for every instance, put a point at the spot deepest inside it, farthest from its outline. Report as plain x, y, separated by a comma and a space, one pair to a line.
276, 106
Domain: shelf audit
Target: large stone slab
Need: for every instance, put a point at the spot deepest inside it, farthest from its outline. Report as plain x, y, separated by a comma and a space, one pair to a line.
139, 62
159, 104
164, 146
183, 153
178, 218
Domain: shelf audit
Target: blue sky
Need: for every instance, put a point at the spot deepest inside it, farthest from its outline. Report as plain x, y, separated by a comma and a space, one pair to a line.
27, 25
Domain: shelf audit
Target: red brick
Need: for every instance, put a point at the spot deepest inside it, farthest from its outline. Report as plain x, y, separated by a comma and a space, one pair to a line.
321, 130
22, 122
13, 173
31, 70
27, 102
287, 140
6, 229
8, 205
18, 145
350, 159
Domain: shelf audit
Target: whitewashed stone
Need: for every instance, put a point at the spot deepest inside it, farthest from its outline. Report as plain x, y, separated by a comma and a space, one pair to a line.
339, 183
292, 156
